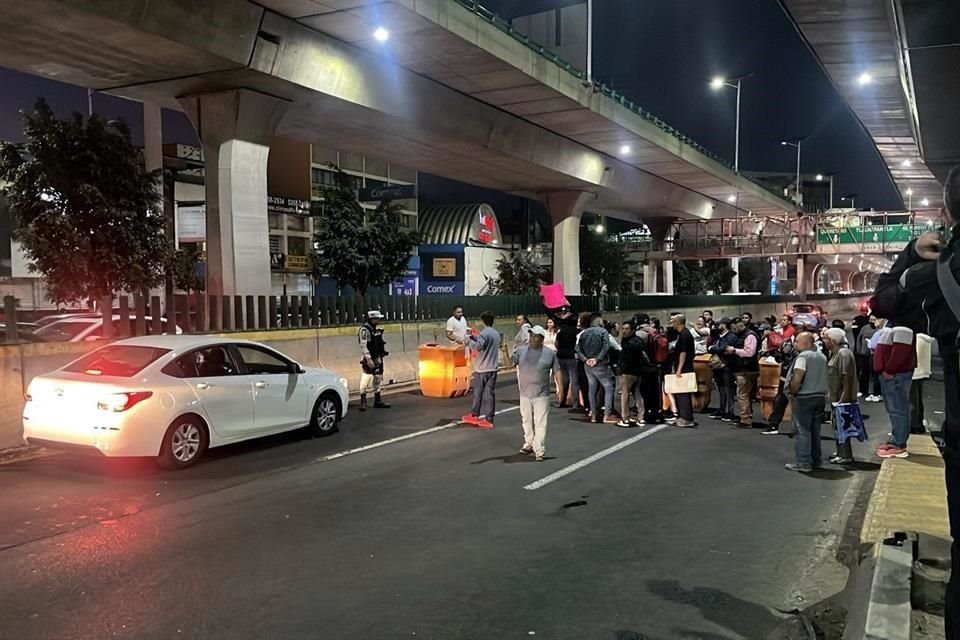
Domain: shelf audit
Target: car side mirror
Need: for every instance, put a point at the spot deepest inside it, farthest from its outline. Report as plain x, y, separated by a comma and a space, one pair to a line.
295, 369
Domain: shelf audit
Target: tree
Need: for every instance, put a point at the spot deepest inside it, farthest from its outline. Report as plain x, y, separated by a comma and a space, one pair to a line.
518, 274
703, 276
360, 248
755, 274
604, 266
86, 212
183, 266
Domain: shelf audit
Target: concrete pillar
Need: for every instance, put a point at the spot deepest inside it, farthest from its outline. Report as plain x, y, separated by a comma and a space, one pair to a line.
802, 283
735, 281
668, 277
566, 209
153, 160
650, 276
235, 128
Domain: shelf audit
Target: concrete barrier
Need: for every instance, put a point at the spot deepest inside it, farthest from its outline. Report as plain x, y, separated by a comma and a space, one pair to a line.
334, 348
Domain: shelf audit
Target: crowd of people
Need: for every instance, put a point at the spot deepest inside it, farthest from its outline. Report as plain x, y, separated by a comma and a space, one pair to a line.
639, 372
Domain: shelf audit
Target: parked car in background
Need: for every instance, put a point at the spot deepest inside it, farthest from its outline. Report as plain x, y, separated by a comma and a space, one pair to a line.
26, 332
89, 328
811, 315
45, 320
173, 397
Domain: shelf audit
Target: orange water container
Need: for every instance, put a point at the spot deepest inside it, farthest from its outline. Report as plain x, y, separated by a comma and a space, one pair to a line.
769, 384
701, 367
444, 370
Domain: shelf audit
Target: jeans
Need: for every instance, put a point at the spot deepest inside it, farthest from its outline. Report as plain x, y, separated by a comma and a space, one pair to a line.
951, 463
807, 418
484, 394
630, 390
600, 376
569, 381
746, 383
650, 391
916, 407
896, 398
864, 372
726, 390
780, 404
533, 416
684, 404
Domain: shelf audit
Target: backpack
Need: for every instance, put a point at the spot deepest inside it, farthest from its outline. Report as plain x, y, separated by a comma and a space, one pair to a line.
659, 347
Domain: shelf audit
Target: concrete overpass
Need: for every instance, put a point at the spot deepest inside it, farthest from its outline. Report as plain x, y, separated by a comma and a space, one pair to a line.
894, 62
453, 92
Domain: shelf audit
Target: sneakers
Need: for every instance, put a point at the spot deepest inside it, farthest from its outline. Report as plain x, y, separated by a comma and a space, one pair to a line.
835, 459
799, 468
611, 419
624, 423
575, 409
771, 431
891, 451
525, 450
728, 418
873, 398
744, 425
470, 419
539, 457
483, 423
684, 424
716, 415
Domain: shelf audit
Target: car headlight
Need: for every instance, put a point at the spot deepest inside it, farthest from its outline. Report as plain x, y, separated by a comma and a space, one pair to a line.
343, 383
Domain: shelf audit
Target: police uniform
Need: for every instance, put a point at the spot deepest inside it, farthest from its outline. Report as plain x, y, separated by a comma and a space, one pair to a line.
373, 349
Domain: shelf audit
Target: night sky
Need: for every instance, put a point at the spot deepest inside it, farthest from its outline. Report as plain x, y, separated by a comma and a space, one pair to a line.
661, 54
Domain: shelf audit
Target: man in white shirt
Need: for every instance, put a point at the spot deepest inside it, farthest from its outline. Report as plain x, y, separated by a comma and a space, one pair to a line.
457, 327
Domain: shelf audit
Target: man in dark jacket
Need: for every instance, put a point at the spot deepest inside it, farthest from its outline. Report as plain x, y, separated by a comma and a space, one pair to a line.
722, 373
913, 294
634, 364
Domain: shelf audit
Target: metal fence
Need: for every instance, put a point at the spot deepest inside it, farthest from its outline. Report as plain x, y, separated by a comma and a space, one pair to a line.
137, 315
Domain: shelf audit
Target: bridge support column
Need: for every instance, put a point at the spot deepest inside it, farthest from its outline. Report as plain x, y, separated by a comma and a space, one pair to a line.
235, 128
735, 281
651, 269
668, 277
566, 209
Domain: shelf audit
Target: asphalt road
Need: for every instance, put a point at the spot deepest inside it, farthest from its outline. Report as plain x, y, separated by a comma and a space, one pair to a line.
680, 534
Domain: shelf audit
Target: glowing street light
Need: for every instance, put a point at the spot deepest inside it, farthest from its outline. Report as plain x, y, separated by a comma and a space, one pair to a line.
906, 163
381, 34
925, 202
731, 198
719, 82
625, 150
819, 177
864, 79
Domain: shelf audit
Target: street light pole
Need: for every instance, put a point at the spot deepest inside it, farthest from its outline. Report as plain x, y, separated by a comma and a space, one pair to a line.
798, 143
590, 41
736, 152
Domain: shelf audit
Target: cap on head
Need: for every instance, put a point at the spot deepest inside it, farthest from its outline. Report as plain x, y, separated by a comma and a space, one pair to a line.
538, 331
374, 314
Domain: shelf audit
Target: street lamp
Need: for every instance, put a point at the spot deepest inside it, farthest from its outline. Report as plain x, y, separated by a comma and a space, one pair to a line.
795, 142
719, 82
381, 34
909, 199
852, 197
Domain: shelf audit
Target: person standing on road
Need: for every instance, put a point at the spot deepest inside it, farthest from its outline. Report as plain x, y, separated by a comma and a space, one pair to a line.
684, 354
373, 348
918, 421
895, 360
864, 358
485, 366
534, 364
567, 360
808, 388
723, 376
841, 384
634, 364
785, 356
593, 349
650, 373
746, 368
550, 342
523, 331
457, 327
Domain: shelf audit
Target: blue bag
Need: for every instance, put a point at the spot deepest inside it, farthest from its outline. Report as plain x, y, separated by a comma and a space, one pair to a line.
849, 422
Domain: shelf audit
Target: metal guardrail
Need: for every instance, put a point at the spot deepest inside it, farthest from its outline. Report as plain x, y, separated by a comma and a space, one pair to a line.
492, 18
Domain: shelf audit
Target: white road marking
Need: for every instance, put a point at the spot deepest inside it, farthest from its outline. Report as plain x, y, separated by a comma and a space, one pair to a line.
415, 434
576, 466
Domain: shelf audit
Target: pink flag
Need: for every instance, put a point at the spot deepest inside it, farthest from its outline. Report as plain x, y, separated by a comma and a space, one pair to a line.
553, 295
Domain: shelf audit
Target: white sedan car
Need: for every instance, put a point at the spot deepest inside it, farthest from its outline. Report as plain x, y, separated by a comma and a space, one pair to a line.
172, 397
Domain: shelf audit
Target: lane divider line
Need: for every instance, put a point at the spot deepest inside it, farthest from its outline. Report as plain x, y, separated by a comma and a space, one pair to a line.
576, 466
415, 434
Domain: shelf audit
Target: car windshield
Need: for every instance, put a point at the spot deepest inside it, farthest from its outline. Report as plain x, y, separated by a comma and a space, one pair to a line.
63, 330
116, 360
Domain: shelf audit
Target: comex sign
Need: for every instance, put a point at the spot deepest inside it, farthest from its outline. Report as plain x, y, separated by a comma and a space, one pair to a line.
441, 288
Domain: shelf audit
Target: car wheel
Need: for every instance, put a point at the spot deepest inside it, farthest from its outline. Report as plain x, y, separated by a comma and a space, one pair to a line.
326, 415
184, 443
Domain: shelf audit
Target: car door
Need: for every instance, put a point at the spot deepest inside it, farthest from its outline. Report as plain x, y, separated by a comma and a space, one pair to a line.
224, 391
279, 396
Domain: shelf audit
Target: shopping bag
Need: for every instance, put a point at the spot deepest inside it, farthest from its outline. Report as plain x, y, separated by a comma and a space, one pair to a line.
687, 383
849, 422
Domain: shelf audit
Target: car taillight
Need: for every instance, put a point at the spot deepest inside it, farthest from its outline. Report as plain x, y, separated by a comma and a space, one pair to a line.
118, 402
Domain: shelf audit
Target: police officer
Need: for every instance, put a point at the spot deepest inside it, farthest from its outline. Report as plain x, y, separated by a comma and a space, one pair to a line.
374, 350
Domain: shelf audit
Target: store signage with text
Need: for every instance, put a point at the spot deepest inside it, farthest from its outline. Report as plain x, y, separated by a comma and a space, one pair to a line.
392, 192
292, 206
